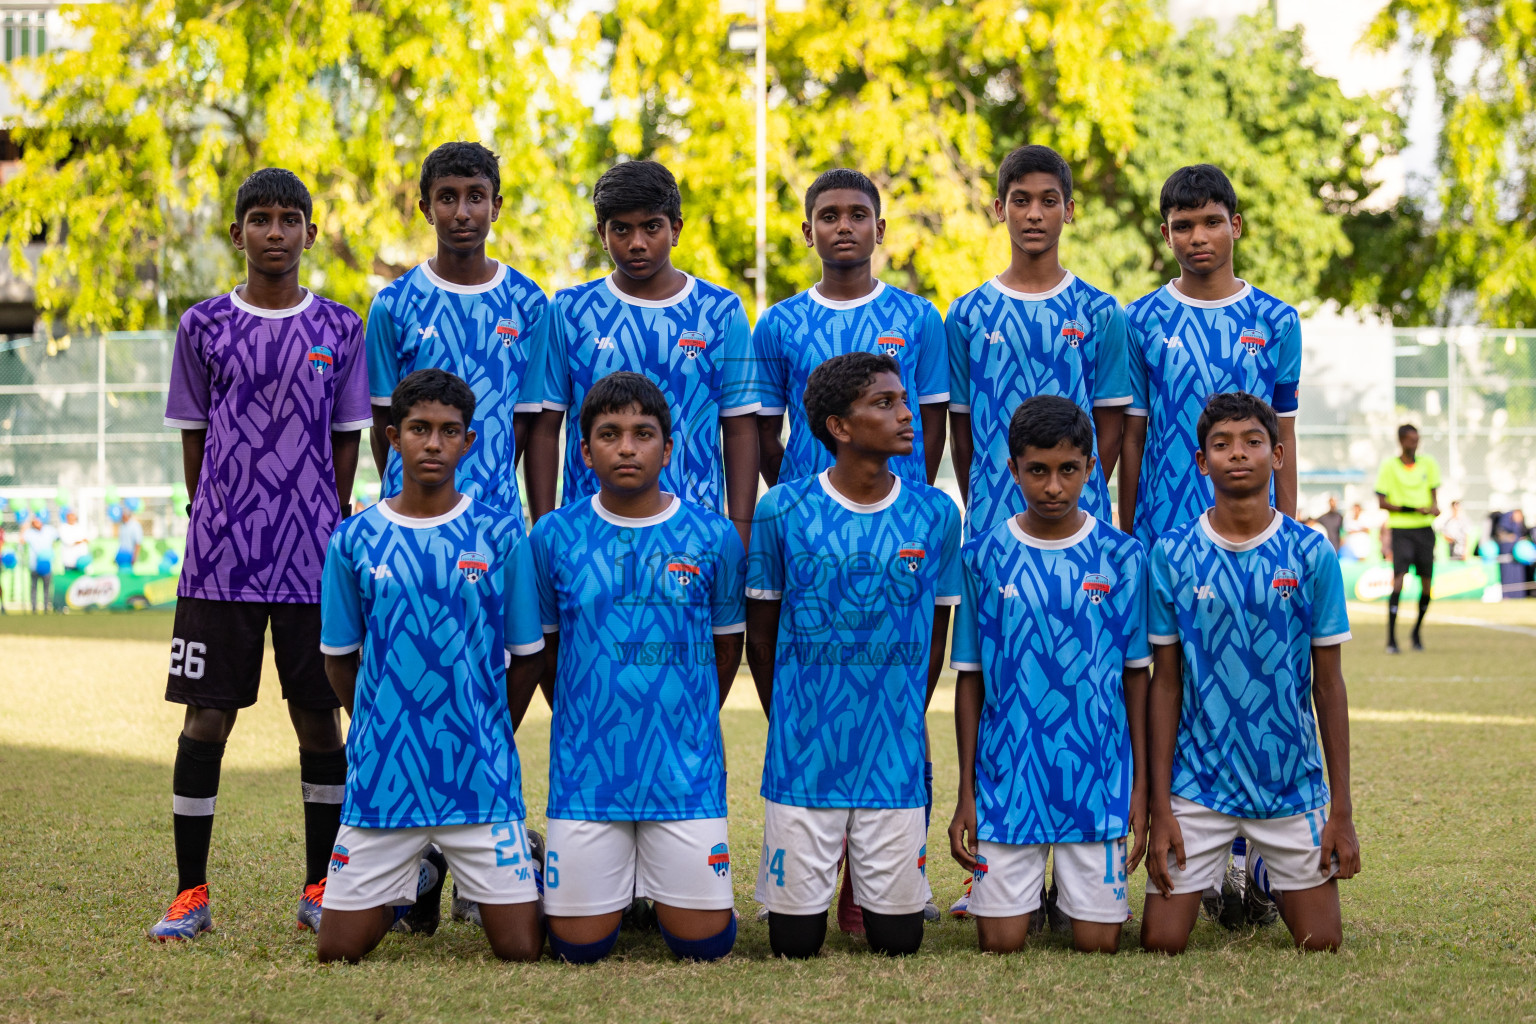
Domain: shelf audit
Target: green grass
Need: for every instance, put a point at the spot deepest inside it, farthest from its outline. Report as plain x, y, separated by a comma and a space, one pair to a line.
1440, 926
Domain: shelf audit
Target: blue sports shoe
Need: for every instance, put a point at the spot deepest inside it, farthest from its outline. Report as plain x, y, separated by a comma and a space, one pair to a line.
310, 906
188, 917
423, 916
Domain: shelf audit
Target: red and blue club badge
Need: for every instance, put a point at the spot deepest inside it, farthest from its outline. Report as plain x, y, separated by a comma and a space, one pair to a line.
339, 859
981, 869
506, 330
473, 565
1252, 339
720, 859
911, 556
922, 859
692, 343
1072, 333
321, 360
1286, 581
891, 343
683, 572
1096, 586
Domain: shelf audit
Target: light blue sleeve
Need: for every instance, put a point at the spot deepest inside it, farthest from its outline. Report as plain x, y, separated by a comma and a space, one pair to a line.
965, 643
530, 390
772, 370
959, 361
1136, 369
520, 599
1330, 616
555, 375
382, 342
951, 585
742, 390
543, 579
765, 564
932, 358
1138, 653
341, 602
728, 599
1111, 375
1288, 372
1162, 616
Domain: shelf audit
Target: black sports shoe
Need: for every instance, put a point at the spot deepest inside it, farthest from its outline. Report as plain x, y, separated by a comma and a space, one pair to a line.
1417, 645
1037, 920
1392, 648
1259, 911
640, 916
427, 912
1061, 924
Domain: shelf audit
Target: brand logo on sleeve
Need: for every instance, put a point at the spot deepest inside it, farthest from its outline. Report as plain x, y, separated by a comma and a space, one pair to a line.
473, 565
683, 572
891, 343
1097, 586
1286, 581
692, 343
1252, 339
1072, 333
506, 330
321, 360
912, 557
720, 859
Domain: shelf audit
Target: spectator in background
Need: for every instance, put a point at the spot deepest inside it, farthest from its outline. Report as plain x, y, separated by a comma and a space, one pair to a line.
1508, 530
38, 538
130, 537
1362, 539
76, 550
1407, 486
1332, 522
1458, 534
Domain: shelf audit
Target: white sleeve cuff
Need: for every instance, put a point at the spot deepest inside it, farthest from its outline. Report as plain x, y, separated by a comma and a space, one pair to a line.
337, 428
735, 627
528, 407
771, 410
187, 424
942, 396
949, 600
957, 407
1139, 662
1330, 641
1162, 640
758, 594
380, 400
1132, 410
740, 410
548, 628
1288, 415
1123, 400
523, 650
347, 649
553, 406
965, 666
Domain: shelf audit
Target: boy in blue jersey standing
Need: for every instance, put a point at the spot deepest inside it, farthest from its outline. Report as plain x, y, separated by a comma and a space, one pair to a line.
850, 310
688, 336
431, 641
1246, 617
1034, 329
1203, 334
1051, 650
640, 593
849, 585
466, 313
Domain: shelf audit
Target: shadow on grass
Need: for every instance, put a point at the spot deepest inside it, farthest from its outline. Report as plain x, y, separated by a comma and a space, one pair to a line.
152, 624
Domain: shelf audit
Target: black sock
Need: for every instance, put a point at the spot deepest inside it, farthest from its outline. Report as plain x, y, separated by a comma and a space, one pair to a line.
1392, 619
194, 790
1423, 607
323, 778
796, 936
894, 934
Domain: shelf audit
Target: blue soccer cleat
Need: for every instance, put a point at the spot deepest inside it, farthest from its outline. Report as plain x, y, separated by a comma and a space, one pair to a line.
188, 917
423, 916
310, 905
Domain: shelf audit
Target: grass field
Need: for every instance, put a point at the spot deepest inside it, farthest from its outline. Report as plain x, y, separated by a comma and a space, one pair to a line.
1441, 925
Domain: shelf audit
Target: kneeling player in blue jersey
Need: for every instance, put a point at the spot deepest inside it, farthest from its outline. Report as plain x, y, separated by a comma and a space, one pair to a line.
849, 583
432, 642
1247, 615
1051, 647
640, 593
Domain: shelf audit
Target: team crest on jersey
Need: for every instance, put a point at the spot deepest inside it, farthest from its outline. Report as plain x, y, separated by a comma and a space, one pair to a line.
321, 360
473, 565
1286, 581
692, 343
1252, 339
911, 556
339, 859
1072, 333
981, 869
720, 859
1097, 586
506, 330
683, 573
891, 343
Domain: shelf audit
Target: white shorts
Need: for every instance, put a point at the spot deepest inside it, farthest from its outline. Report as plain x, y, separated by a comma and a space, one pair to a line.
1291, 847
376, 867
1089, 877
597, 867
887, 857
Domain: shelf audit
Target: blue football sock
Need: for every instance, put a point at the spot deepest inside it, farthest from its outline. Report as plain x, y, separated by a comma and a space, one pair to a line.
712, 948
582, 952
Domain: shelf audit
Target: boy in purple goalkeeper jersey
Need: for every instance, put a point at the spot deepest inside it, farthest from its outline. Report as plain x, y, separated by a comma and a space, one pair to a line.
270, 390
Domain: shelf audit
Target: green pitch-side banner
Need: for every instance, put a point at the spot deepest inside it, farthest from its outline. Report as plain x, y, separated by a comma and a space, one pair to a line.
1372, 581
118, 591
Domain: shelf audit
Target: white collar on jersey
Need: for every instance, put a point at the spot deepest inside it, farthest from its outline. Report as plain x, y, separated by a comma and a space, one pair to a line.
852, 506
272, 314
1238, 296
465, 289
682, 294
1061, 286
821, 300
1050, 545
413, 523
1247, 545
630, 521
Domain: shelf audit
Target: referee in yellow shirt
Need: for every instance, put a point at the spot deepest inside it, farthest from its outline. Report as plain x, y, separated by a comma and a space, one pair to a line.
1406, 486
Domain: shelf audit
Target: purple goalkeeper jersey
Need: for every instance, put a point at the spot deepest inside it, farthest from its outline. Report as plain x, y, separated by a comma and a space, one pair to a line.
269, 386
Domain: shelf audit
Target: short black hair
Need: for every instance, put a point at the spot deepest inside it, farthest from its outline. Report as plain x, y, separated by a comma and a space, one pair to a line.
1028, 160
1403, 430
620, 390
273, 186
841, 177
836, 384
1045, 421
1237, 405
637, 185
460, 160
1190, 188
430, 385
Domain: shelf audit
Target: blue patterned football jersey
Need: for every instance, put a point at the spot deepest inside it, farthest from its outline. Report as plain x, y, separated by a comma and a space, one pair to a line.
857, 586
1182, 351
1246, 617
1006, 346
436, 605
695, 346
1052, 626
482, 333
802, 332
637, 604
